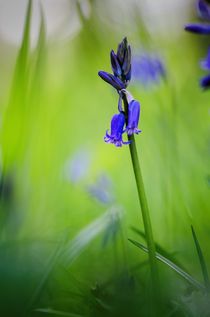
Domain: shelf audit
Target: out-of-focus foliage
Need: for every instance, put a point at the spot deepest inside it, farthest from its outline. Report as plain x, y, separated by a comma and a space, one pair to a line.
68, 199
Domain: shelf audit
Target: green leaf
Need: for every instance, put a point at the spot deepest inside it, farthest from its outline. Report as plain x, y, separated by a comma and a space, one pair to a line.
201, 260
173, 266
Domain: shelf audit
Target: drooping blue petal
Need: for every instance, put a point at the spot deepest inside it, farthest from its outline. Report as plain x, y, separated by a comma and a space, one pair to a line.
203, 8
133, 117
205, 63
205, 82
115, 64
112, 80
117, 129
198, 28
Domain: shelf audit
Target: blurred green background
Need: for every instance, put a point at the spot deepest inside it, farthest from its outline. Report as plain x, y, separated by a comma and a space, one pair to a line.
69, 200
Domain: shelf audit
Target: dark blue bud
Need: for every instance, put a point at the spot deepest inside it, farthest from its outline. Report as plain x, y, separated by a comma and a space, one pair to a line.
198, 28
205, 82
205, 63
115, 64
203, 8
128, 75
117, 129
133, 117
112, 80
127, 61
121, 50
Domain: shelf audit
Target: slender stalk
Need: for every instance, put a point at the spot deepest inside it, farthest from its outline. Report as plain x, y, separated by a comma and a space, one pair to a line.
144, 208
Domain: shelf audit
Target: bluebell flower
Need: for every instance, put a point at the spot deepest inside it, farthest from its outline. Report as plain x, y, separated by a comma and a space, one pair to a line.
147, 69
133, 114
205, 82
203, 9
128, 117
133, 117
117, 129
205, 63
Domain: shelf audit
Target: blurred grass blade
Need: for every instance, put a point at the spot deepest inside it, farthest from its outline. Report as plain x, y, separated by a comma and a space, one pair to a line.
14, 115
56, 312
173, 266
40, 55
159, 248
201, 260
22, 58
86, 235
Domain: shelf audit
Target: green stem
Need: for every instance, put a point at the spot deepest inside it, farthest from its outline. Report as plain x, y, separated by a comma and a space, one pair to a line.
144, 206
144, 210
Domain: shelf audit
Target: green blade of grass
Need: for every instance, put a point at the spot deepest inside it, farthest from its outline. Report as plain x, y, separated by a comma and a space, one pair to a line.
23, 55
56, 312
40, 55
13, 115
201, 260
160, 249
173, 266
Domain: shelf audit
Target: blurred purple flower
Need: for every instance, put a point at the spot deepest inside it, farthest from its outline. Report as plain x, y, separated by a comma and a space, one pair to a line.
148, 69
205, 63
203, 10
77, 167
102, 189
205, 82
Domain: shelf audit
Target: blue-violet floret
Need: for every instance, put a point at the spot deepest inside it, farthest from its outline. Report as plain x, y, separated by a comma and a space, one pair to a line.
117, 129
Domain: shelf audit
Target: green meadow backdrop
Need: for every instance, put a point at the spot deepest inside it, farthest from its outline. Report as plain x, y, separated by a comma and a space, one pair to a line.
68, 200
